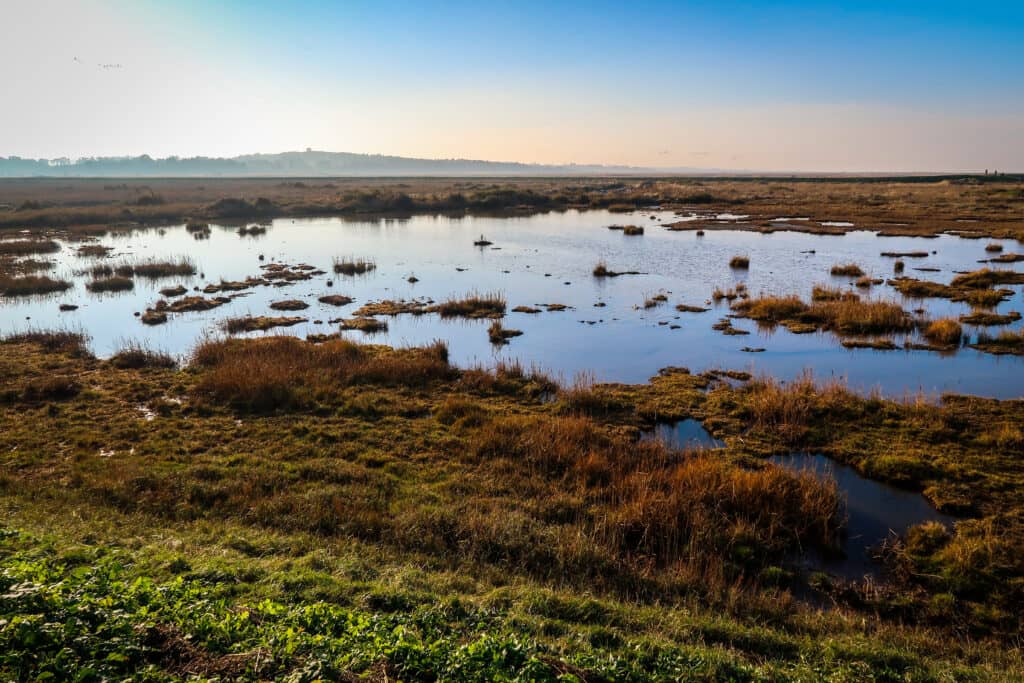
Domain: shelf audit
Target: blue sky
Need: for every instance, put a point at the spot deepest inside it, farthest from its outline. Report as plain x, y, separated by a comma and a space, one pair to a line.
767, 85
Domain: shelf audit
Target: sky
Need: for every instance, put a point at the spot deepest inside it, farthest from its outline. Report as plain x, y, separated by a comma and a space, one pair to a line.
760, 86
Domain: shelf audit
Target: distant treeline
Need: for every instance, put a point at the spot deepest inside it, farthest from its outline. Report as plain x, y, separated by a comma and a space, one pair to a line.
297, 164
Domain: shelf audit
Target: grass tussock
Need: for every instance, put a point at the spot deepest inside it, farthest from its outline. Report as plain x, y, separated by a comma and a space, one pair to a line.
842, 315
602, 270
828, 293
499, 334
53, 341
986, 278
152, 269
28, 247
111, 284
1006, 342
739, 262
137, 356
259, 323
847, 270
475, 305
353, 266
945, 331
31, 285
286, 372
289, 305
364, 324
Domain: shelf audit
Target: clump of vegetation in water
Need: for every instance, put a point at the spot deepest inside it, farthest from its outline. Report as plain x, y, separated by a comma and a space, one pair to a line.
28, 247
111, 284
353, 266
944, 332
847, 270
259, 323
849, 316
476, 305
364, 324
335, 300
602, 270
94, 250
739, 262
1006, 342
990, 319
154, 269
289, 305
30, 285
498, 334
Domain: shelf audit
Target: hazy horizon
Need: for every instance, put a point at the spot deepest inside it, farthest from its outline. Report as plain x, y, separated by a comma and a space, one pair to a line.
780, 87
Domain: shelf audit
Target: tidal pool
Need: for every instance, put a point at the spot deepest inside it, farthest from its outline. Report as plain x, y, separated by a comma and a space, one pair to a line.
875, 512
546, 259
685, 434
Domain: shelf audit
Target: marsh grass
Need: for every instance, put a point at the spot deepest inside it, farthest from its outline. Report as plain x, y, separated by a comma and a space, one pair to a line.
847, 270
136, 355
498, 334
28, 247
289, 305
829, 293
111, 284
366, 325
843, 315
93, 250
474, 305
278, 372
739, 262
985, 278
259, 323
1006, 342
602, 270
30, 285
945, 331
72, 343
154, 269
353, 266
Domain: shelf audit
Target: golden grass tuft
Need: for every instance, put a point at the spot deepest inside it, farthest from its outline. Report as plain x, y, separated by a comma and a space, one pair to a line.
945, 331
286, 372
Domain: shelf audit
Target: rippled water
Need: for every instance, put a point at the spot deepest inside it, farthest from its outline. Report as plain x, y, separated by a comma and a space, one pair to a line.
542, 259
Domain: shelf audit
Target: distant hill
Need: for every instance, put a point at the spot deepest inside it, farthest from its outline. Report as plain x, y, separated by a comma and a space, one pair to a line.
294, 164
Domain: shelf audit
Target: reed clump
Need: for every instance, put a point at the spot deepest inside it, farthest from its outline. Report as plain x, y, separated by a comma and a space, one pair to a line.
499, 334
30, 285
259, 323
847, 270
945, 331
138, 356
353, 266
111, 284
28, 247
475, 305
739, 262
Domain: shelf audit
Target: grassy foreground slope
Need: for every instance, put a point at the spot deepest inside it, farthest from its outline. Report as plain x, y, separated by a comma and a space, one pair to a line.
279, 510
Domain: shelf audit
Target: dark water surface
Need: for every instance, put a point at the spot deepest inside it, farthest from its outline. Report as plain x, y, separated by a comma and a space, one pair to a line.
875, 512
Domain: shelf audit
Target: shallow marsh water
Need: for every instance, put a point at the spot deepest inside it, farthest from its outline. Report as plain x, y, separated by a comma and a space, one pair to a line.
542, 259
875, 512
